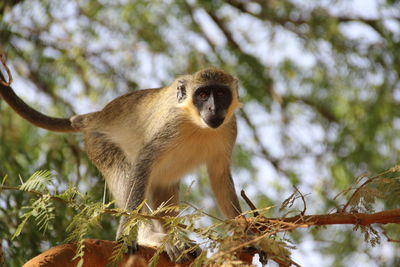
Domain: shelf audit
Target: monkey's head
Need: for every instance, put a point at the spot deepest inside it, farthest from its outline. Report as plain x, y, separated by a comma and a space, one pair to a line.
209, 95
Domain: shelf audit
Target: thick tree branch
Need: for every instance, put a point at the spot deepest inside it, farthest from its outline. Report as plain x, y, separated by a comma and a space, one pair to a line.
383, 217
99, 252
96, 253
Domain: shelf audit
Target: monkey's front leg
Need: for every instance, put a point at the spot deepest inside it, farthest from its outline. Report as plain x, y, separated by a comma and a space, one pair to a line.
224, 190
223, 186
134, 189
158, 231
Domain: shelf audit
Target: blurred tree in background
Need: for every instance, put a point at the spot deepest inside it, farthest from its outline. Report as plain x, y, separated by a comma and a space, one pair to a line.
319, 83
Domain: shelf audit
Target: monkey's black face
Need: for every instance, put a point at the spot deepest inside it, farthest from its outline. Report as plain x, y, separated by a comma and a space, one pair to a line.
212, 101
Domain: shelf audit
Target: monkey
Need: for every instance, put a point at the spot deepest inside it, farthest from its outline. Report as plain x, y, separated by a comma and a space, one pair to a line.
143, 142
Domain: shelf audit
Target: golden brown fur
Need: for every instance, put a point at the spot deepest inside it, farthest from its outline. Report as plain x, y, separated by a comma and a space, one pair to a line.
145, 141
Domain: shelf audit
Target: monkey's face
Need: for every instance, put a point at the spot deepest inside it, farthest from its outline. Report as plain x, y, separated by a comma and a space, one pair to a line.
208, 97
212, 102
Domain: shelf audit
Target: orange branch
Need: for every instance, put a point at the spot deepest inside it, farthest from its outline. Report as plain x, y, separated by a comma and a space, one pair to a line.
383, 217
96, 253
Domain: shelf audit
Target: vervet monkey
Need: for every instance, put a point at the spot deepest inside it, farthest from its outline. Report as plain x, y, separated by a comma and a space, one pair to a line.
143, 143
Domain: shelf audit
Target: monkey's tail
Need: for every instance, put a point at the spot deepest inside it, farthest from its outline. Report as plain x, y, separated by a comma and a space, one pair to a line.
33, 116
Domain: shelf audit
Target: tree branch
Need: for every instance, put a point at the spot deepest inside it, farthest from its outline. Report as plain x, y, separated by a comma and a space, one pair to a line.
99, 252
298, 21
383, 217
319, 107
96, 253
275, 162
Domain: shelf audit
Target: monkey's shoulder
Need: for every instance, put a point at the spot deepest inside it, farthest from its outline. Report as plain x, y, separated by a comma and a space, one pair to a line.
133, 97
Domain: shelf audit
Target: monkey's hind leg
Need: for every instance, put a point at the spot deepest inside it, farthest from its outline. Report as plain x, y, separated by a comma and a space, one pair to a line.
156, 233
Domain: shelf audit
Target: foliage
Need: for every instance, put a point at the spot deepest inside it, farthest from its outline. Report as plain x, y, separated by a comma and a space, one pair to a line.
319, 83
224, 238
232, 237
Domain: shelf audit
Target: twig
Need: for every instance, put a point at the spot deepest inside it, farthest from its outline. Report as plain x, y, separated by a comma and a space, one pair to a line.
249, 203
274, 161
302, 198
389, 239
202, 211
10, 78
291, 225
37, 193
249, 243
391, 170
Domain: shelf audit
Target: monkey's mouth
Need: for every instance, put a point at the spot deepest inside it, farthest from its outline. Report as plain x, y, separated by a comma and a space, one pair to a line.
214, 122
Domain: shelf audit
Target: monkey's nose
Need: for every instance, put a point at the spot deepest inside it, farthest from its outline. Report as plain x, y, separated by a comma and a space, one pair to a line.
211, 109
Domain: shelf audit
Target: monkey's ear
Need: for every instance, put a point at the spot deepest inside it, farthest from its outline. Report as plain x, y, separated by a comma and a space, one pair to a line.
181, 91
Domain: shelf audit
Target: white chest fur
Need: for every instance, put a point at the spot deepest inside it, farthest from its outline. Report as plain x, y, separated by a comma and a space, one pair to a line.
193, 148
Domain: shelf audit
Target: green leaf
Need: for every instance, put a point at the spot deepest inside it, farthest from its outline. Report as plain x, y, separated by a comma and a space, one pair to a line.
39, 181
21, 225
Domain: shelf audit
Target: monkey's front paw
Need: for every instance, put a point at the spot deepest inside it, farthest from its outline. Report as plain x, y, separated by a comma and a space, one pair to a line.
263, 257
133, 248
184, 253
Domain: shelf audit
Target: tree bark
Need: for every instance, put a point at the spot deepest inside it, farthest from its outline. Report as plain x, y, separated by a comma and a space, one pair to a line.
383, 217
98, 252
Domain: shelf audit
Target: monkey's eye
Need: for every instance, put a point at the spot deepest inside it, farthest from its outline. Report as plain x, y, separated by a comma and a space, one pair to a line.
203, 95
220, 93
